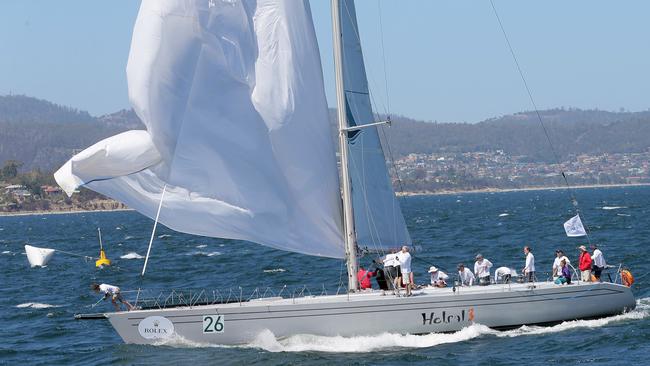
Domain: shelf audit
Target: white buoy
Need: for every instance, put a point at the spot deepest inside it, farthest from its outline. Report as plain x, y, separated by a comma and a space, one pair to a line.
38, 256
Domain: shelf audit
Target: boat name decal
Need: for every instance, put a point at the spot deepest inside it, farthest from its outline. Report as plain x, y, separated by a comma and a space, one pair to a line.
447, 317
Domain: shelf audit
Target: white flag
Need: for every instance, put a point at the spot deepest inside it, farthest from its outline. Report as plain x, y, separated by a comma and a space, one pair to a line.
573, 227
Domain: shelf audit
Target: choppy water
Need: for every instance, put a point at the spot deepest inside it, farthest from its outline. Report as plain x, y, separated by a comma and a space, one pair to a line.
37, 304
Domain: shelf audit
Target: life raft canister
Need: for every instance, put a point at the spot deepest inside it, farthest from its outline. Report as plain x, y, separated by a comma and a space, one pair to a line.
627, 278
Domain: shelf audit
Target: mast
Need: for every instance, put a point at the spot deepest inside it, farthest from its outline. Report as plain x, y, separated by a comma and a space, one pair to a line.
348, 216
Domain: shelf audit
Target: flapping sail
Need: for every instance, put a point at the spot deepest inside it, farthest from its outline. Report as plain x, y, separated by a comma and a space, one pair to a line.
232, 96
378, 218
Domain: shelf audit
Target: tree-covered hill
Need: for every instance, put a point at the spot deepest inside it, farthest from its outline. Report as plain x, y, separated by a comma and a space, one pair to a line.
44, 135
571, 132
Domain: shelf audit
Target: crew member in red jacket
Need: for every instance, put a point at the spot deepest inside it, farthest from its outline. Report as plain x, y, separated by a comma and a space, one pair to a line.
584, 264
363, 276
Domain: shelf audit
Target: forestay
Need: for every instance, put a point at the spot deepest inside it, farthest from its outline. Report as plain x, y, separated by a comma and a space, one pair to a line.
378, 218
232, 96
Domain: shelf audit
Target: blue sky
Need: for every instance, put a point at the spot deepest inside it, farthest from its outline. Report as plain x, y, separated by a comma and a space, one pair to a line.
445, 60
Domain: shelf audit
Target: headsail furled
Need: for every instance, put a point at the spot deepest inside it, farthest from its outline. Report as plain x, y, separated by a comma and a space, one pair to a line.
378, 218
231, 93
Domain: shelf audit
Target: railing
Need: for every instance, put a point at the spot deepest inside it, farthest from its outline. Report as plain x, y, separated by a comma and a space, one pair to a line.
161, 299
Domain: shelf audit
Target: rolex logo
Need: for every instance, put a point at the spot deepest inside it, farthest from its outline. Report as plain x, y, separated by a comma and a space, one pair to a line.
155, 323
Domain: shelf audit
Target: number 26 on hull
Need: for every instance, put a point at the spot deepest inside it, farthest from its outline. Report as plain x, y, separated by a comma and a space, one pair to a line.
213, 324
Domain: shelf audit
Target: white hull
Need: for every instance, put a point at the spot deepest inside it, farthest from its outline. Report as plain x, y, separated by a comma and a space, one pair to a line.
429, 310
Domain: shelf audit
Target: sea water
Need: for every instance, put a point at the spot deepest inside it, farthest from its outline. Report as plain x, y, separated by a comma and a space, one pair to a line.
37, 304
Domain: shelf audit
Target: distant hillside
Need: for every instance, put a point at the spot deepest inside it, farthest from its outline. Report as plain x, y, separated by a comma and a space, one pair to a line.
571, 131
23, 109
44, 135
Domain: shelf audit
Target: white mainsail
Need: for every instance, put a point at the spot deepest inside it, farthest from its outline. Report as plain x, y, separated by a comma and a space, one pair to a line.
232, 97
378, 219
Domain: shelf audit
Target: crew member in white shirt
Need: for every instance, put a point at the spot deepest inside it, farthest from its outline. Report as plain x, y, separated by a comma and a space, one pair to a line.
504, 274
465, 276
438, 277
557, 267
482, 270
113, 292
404, 258
529, 269
391, 269
598, 261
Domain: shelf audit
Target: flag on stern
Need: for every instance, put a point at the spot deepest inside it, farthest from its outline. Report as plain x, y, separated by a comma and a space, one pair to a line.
573, 227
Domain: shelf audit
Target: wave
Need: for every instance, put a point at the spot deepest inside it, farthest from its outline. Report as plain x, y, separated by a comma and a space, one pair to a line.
202, 253
36, 305
642, 311
132, 255
363, 344
275, 270
201, 246
625, 215
504, 214
128, 237
613, 207
163, 236
6, 252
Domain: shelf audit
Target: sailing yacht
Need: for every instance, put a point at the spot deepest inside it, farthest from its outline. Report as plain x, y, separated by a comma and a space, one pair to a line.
237, 145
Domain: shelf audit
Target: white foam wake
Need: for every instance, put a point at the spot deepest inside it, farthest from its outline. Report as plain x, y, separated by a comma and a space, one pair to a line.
36, 305
312, 343
131, 255
612, 207
642, 311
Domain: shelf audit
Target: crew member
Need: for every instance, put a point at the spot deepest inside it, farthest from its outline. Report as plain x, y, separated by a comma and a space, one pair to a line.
391, 268
584, 264
465, 276
404, 258
598, 262
529, 268
363, 276
482, 270
504, 274
114, 293
557, 268
438, 277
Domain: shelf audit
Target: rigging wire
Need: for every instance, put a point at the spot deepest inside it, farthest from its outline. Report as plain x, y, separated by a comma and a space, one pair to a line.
383, 56
574, 200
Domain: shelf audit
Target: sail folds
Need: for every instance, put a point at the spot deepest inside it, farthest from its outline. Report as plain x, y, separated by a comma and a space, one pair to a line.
231, 94
378, 218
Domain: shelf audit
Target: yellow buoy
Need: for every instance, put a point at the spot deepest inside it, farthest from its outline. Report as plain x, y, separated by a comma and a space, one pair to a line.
102, 261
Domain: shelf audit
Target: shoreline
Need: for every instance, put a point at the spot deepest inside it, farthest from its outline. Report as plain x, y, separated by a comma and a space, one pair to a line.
37, 213
503, 190
399, 194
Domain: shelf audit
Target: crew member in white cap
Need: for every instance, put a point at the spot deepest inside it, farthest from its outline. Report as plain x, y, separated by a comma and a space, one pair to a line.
438, 277
584, 264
